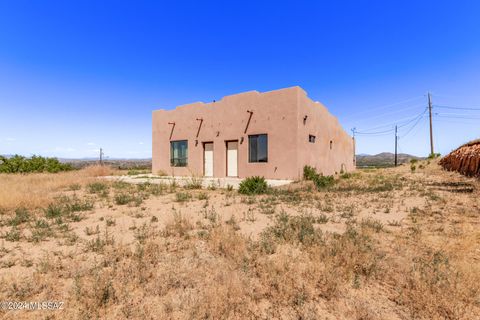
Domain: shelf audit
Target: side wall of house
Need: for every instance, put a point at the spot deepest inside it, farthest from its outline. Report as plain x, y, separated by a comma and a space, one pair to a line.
325, 128
274, 113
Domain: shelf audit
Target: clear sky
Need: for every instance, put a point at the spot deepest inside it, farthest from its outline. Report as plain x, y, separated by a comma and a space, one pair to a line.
79, 75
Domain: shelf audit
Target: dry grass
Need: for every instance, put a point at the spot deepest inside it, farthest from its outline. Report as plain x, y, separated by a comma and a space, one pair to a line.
189, 260
38, 190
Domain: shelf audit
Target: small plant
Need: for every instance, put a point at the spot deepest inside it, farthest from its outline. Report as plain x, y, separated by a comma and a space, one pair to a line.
253, 185
53, 211
202, 196
194, 183
110, 222
322, 218
373, 224
97, 187
21, 216
12, 235
413, 167
41, 231
182, 196
233, 223
123, 198
75, 187
92, 231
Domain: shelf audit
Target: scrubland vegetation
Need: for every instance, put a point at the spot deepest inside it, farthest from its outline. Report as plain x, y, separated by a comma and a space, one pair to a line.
20, 164
373, 244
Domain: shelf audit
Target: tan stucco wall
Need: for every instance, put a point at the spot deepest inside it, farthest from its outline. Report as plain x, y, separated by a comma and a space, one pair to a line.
274, 113
325, 127
277, 113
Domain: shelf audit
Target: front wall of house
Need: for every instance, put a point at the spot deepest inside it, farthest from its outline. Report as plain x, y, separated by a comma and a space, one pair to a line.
274, 113
325, 127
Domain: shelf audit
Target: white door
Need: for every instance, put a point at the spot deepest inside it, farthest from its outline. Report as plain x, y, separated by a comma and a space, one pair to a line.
208, 159
232, 159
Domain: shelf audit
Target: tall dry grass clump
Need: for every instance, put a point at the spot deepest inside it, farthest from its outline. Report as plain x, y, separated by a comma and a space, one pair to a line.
37, 190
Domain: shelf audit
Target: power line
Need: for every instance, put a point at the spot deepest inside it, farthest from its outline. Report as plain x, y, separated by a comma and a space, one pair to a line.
457, 115
415, 124
401, 123
457, 108
366, 110
391, 113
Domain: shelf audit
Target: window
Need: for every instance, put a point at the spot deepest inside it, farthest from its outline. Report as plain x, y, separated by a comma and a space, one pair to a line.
311, 138
331, 144
179, 153
258, 148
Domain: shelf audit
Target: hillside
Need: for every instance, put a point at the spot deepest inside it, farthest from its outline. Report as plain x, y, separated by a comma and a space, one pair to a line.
384, 159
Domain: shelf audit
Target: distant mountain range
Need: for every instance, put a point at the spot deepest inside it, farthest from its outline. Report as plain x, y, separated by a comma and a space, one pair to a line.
384, 159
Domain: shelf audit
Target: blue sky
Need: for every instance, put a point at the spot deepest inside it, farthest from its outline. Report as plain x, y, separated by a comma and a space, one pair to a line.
79, 75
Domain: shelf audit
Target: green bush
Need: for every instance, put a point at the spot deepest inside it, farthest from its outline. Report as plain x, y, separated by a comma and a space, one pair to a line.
309, 173
253, 185
20, 164
320, 181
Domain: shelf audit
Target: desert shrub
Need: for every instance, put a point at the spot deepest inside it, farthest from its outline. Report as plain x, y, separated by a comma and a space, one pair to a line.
12, 235
123, 198
151, 188
309, 173
253, 185
178, 226
97, 187
20, 164
320, 181
66, 207
293, 229
21, 215
182, 196
53, 211
194, 183
134, 172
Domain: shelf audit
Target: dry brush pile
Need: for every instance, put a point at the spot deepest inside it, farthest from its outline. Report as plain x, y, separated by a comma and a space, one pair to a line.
465, 159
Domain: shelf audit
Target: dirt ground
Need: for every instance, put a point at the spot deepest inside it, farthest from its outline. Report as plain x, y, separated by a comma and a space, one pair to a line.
397, 243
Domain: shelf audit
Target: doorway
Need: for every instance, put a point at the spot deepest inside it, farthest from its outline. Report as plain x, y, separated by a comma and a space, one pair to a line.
232, 158
208, 159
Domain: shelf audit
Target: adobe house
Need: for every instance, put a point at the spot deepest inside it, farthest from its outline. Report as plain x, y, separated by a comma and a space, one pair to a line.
272, 134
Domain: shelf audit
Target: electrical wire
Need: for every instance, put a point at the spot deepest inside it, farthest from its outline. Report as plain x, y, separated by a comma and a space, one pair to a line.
390, 113
414, 125
366, 110
456, 108
400, 123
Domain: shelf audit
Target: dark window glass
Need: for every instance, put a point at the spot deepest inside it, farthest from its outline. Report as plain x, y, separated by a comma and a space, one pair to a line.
258, 148
179, 153
311, 138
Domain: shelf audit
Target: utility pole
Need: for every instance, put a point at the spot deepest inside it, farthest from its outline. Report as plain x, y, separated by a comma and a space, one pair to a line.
431, 130
396, 139
101, 156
